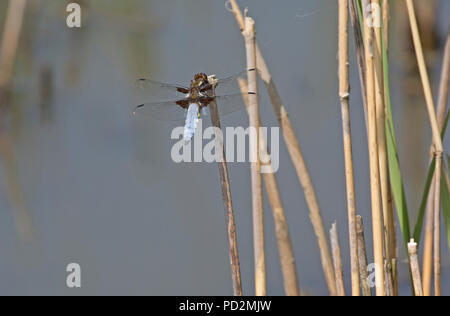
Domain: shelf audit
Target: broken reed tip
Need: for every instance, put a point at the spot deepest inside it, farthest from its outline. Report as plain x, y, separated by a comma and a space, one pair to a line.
412, 246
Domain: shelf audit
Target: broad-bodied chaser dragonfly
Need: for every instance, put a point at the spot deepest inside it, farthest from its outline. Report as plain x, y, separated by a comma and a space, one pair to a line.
189, 102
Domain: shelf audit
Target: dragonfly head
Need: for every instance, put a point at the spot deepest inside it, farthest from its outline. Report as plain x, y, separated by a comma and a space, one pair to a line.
199, 79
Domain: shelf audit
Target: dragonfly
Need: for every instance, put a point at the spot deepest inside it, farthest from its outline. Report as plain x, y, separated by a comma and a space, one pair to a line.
189, 102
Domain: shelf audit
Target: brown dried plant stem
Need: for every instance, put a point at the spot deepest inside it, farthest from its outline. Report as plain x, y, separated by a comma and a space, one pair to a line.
382, 150
386, 17
436, 140
297, 159
377, 216
427, 259
359, 42
415, 270
391, 242
444, 85
286, 253
362, 257
344, 95
257, 207
228, 206
429, 223
8, 51
10, 40
337, 260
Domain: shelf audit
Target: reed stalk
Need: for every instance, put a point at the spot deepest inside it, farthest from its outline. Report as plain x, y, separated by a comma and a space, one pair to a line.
228, 207
391, 243
415, 269
257, 207
286, 253
359, 42
382, 150
296, 157
362, 255
427, 260
429, 222
344, 95
377, 216
436, 141
8, 52
10, 40
337, 260
386, 16
443, 85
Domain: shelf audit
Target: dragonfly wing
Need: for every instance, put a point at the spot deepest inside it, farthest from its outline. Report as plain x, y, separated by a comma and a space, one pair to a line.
230, 103
230, 85
160, 89
164, 111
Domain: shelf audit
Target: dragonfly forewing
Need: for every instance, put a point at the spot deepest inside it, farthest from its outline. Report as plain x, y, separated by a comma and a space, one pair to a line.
164, 111
161, 90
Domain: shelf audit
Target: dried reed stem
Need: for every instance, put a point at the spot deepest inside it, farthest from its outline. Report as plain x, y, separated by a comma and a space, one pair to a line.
10, 40
436, 141
287, 259
437, 230
8, 52
258, 223
427, 265
337, 260
429, 222
391, 243
297, 159
377, 216
443, 86
359, 42
344, 95
228, 207
382, 150
415, 270
386, 17
364, 276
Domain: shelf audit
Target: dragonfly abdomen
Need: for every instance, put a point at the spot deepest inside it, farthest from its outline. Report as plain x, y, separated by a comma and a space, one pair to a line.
191, 121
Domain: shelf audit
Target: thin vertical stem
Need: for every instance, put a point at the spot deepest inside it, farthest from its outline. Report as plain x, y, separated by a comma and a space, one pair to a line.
429, 222
258, 223
344, 95
437, 230
427, 265
8, 53
415, 270
359, 42
297, 159
386, 17
337, 260
436, 137
391, 243
362, 257
443, 85
286, 253
10, 40
377, 217
382, 150
228, 207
